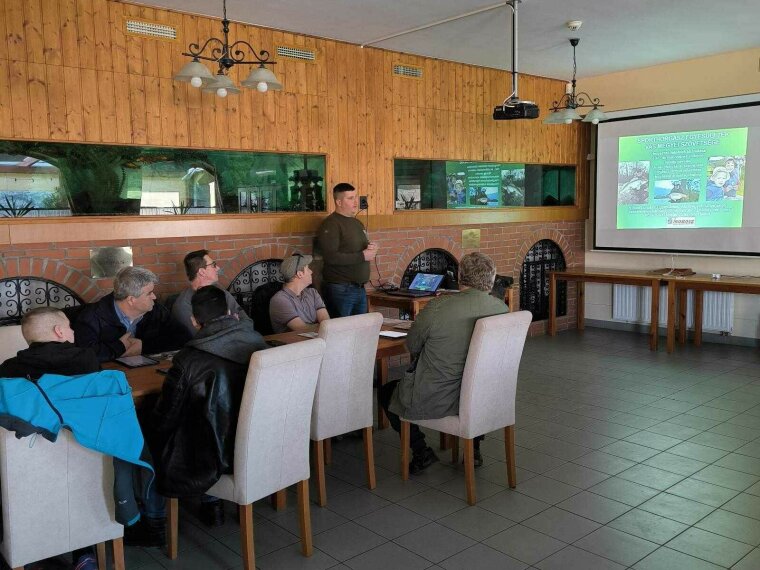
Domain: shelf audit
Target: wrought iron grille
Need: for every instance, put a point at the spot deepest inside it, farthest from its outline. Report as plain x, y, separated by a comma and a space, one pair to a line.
438, 261
543, 257
250, 278
19, 295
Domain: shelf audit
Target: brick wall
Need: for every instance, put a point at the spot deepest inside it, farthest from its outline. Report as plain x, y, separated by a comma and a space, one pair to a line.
68, 262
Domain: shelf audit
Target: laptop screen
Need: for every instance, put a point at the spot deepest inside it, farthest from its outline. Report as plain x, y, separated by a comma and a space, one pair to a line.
425, 282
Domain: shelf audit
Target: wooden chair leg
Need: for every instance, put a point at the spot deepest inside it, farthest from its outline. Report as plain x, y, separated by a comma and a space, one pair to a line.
279, 499
328, 450
245, 512
319, 472
369, 457
454, 449
443, 441
304, 517
509, 450
118, 553
172, 543
100, 552
469, 470
404, 450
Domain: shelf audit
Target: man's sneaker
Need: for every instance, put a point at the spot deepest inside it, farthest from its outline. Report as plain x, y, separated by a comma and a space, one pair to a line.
212, 513
146, 532
422, 460
86, 562
478, 458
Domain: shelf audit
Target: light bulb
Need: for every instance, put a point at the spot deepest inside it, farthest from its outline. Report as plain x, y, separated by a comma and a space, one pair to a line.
196, 82
262, 87
595, 121
568, 121
222, 92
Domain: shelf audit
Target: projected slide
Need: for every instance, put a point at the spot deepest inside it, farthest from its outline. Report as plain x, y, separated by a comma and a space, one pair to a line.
682, 180
484, 184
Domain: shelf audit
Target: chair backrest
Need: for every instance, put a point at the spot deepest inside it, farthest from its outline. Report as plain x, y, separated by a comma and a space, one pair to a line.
56, 497
487, 397
11, 341
260, 306
343, 401
272, 440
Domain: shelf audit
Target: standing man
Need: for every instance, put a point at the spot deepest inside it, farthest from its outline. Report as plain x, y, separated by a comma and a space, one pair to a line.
347, 253
438, 343
201, 270
128, 321
296, 305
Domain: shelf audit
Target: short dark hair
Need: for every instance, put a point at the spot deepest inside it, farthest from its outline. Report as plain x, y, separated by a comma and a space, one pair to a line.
209, 303
194, 261
342, 187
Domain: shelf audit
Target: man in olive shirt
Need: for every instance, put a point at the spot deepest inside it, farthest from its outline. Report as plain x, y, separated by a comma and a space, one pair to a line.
347, 251
438, 343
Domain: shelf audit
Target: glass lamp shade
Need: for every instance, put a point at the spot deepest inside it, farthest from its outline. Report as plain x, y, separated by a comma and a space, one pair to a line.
262, 77
222, 86
194, 69
553, 118
569, 115
595, 116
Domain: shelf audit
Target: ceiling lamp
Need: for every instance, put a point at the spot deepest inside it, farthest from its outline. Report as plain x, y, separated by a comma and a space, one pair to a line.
227, 55
565, 111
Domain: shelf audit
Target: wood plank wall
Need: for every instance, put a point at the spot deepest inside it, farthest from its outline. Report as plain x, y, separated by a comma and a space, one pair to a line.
70, 72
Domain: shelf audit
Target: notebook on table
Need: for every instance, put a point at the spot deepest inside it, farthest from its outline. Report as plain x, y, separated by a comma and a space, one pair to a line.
423, 285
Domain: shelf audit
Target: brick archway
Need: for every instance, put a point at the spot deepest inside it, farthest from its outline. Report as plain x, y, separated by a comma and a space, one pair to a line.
554, 235
418, 246
76, 280
251, 255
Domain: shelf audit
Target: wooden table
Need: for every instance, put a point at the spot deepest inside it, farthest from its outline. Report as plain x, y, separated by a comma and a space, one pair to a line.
146, 381
413, 305
677, 288
614, 276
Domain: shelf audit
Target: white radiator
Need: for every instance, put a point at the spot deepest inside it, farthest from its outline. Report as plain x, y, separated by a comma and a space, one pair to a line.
634, 304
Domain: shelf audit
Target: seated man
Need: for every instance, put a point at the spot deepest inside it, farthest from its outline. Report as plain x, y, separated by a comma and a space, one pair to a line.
438, 343
128, 321
194, 422
52, 351
297, 305
201, 270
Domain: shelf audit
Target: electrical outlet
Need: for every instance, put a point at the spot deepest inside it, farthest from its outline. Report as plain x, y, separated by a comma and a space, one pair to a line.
363, 203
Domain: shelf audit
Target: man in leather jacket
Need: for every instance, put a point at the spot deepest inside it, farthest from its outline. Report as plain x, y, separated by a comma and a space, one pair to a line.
194, 422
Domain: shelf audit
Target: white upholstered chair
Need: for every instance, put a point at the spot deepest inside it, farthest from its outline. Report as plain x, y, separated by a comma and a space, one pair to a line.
272, 439
11, 342
343, 401
57, 497
487, 397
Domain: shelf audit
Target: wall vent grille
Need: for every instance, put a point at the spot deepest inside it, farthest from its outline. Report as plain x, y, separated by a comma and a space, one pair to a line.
300, 54
403, 70
151, 30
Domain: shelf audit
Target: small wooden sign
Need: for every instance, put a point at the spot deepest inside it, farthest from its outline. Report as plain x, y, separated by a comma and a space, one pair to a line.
470, 239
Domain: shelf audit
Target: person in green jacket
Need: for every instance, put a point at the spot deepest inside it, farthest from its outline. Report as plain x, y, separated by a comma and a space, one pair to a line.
438, 343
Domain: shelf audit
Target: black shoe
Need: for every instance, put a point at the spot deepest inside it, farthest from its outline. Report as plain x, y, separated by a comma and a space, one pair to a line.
478, 458
422, 460
212, 513
146, 532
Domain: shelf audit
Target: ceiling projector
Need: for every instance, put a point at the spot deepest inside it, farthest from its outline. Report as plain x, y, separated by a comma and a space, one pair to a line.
511, 110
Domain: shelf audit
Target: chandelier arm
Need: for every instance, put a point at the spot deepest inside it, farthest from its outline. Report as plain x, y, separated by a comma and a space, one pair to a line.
585, 100
238, 55
194, 50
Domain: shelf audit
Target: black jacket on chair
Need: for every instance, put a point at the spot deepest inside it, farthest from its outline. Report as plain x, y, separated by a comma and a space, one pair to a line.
98, 326
192, 432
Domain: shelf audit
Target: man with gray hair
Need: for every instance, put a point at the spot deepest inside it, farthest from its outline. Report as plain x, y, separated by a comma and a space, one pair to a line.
438, 343
128, 321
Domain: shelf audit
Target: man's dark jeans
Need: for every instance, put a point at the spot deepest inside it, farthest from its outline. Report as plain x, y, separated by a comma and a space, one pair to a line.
344, 299
416, 437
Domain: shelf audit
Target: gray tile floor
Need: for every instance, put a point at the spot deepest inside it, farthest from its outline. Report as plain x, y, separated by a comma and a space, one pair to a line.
626, 459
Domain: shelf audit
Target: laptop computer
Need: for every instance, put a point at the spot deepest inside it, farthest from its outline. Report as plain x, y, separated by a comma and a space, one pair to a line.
423, 285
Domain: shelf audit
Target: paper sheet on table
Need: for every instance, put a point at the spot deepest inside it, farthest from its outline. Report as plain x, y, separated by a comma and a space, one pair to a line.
392, 334
309, 334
